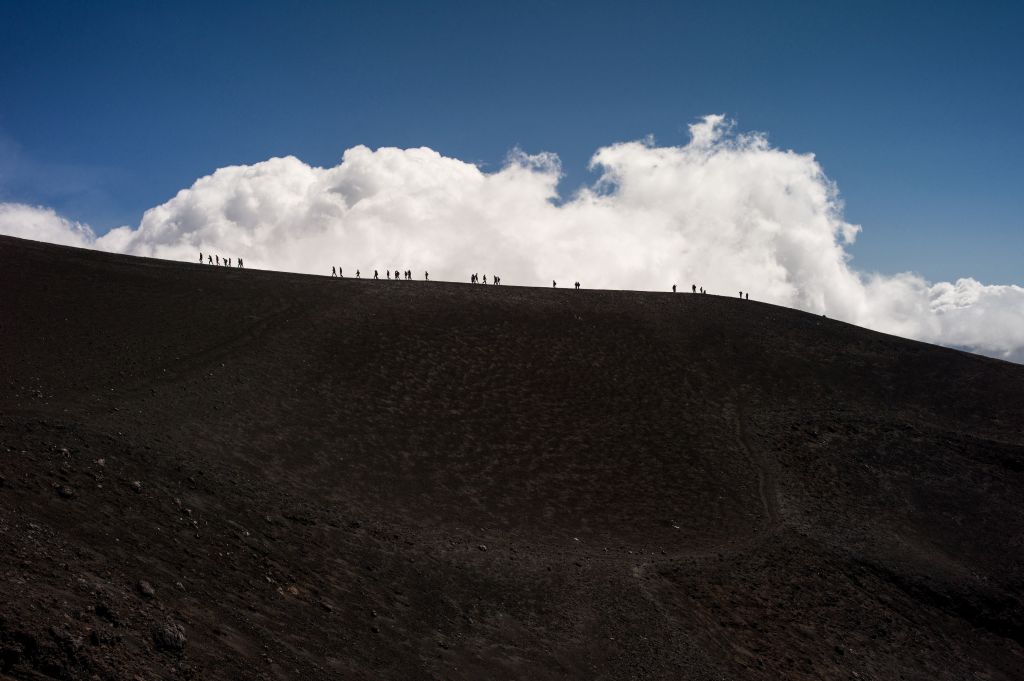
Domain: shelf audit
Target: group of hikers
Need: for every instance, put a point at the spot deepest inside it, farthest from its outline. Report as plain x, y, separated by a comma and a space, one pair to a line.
407, 275
217, 260
398, 276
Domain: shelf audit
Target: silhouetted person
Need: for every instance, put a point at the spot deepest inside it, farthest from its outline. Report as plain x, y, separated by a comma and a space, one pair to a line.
554, 284
497, 280
577, 286
387, 274
375, 275
426, 276
241, 264
748, 296
485, 279
340, 275
693, 287
209, 259
673, 288
357, 274
334, 271
200, 257
741, 295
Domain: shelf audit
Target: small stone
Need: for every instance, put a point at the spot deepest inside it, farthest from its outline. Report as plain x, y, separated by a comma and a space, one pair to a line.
145, 589
169, 637
136, 486
482, 547
65, 491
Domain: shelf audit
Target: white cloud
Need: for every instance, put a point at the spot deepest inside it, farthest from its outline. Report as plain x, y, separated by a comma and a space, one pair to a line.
43, 224
726, 211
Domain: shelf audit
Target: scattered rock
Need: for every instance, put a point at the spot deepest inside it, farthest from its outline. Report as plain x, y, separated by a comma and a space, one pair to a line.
104, 611
65, 491
482, 547
136, 486
169, 637
145, 589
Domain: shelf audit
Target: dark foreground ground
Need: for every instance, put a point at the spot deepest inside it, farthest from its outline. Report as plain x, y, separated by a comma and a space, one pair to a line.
223, 474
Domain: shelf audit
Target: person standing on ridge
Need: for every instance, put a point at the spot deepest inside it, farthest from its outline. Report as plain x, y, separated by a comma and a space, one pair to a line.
554, 284
376, 275
334, 272
426, 276
200, 257
241, 264
673, 288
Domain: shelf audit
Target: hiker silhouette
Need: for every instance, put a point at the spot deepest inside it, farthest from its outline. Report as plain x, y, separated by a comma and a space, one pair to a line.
241, 263
673, 288
334, 271
426, 276
375, 275
694, 287
200, 257
554, 284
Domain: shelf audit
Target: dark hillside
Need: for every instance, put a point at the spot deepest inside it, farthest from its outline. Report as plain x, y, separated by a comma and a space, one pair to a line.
358, 479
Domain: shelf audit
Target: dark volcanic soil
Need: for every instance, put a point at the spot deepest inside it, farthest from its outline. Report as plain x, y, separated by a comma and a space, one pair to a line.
211, 473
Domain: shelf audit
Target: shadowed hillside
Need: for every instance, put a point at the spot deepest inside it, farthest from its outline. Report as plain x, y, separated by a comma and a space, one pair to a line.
221, 473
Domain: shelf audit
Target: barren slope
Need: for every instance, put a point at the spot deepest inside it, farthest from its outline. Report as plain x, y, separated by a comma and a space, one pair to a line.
357, 479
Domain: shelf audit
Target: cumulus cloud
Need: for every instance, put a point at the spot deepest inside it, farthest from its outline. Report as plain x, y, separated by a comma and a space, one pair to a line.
726, 211
43, 224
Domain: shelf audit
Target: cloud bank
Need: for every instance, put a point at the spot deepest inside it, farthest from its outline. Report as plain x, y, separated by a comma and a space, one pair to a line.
726, 211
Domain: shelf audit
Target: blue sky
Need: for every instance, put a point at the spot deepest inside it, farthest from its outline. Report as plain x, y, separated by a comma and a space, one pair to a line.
914, 109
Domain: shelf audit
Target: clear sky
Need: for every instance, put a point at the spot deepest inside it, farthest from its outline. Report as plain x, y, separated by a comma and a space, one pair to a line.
915, 109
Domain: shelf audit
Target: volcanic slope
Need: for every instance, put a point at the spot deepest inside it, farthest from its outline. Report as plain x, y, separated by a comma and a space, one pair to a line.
220, 474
